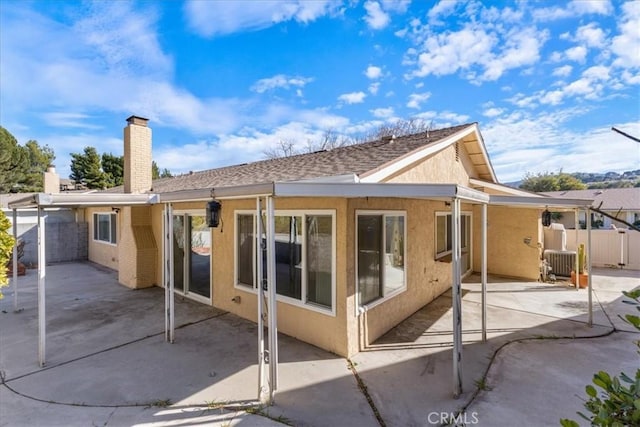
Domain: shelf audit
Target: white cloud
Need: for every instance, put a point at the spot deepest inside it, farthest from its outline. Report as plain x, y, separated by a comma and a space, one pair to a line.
590, 85
398, 6
625, 45
441, 119
598, 7
69, 120
383, 113
442, 9
374, 87
492, 112
597, 72
448, 52
124, 40
573, 9
212, 18
373, 72
280, 81
417, 99
376, 18
514, 152
483, 53
563, 71
522, 48
576, 53
353, 97
591, 35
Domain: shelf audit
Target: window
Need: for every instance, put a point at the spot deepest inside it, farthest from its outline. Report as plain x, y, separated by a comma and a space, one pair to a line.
443, 234
304, 255
381, 244
105, 227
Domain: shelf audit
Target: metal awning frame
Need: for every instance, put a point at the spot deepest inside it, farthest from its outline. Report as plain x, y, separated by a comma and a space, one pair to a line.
41, 202
453, 193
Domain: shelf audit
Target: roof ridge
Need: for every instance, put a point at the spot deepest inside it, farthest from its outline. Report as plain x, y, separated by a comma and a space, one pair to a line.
348, 159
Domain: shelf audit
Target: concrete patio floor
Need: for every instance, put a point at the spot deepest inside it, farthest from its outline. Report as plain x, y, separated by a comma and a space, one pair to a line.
108, 363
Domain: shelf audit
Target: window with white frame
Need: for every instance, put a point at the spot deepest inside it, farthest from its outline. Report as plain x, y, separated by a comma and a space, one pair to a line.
381, 247
105, 228
305, 255
444, 226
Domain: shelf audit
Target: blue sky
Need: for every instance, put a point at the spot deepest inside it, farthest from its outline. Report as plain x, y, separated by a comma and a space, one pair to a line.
223, 81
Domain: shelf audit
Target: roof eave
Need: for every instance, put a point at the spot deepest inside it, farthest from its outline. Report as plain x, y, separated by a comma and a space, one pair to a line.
539, 202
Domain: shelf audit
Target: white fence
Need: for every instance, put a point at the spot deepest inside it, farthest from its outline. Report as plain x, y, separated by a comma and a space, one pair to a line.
609, 247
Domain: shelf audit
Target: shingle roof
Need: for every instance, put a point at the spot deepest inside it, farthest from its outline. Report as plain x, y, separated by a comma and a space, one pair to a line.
353, 159
612, 199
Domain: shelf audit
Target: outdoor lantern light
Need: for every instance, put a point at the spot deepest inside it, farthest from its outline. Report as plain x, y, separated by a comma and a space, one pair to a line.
213, 213
546, 218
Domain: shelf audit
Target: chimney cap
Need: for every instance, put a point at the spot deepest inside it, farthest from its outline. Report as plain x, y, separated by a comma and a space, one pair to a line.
137, 120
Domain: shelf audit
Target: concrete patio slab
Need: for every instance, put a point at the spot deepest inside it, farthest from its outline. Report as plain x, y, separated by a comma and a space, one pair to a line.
108, 363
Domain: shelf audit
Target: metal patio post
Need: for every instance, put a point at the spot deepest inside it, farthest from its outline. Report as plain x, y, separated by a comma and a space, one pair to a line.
484, 271
588, 267
456, 300
273, 311
15, 261
42, 274
263, 394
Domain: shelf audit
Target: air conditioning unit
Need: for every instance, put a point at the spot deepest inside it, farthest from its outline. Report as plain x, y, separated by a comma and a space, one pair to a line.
561, 262
555, 237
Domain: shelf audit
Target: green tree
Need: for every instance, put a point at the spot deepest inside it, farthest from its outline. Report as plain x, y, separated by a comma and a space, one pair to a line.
543, 182
6, 248
86, 168
38, 159
113, 167
13, 162
157, 173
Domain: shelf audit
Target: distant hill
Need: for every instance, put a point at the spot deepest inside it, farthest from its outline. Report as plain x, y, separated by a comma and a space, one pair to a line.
601, 180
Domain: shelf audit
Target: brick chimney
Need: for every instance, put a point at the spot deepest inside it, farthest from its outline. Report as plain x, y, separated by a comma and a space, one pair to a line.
137, 156
51, 180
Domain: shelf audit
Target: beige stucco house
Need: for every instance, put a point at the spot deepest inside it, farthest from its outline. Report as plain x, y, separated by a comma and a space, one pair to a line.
356, 239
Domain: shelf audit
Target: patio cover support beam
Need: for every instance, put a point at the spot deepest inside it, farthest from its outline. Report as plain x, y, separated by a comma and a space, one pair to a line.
42, 321
588, 267
169, 288
15, 260
456, 299
262, 357
577, 223
483, 271
273, 308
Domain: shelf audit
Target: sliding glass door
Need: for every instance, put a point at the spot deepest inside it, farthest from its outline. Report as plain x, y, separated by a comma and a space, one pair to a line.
192, 255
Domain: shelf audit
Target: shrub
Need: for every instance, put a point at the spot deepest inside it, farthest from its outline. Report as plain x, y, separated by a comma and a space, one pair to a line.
618, 403
6, 248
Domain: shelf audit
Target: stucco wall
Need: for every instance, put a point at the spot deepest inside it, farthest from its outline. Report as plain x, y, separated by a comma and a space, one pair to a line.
137, 248
324, 330
441, 167
101, 252
507, 253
